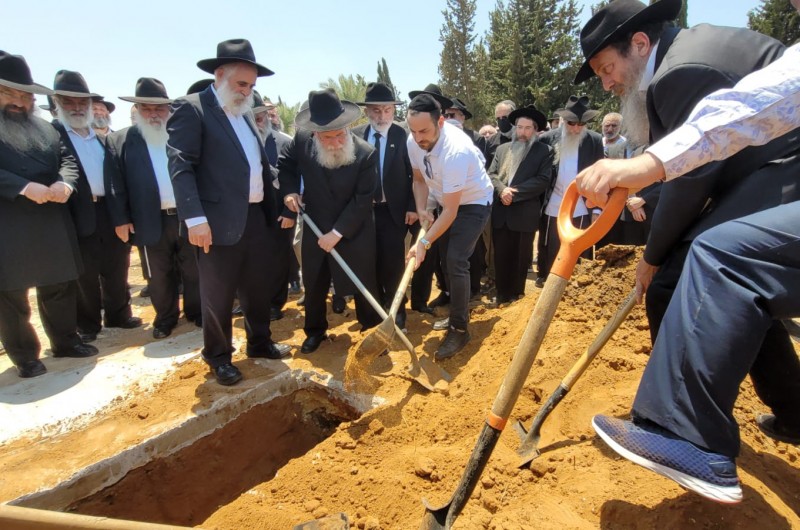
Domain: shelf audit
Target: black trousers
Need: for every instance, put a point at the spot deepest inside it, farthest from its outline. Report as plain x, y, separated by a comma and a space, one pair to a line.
285, 237
390, 247
513, 252
57, 311
168, 263
103, 286
228, 269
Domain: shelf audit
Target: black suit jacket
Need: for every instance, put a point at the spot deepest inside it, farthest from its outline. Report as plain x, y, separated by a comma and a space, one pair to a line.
37, 241
134, 196
589, 151
531, 180
209, 169
691, 64
397, 176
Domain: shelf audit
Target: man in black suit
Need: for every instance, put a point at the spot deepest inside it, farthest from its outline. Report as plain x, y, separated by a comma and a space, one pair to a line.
339, 174
520, 174
103, 295
142, 207
574, 148
222, 183
38, 247
393, 204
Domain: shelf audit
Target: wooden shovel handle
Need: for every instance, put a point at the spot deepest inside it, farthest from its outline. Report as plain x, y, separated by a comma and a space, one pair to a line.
401, 288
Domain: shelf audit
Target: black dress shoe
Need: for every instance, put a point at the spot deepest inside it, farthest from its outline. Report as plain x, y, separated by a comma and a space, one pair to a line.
275, 351
441, 300
145, 293
275, 313
311, 343
422, 308
78, 351
539, 282
453, 342
87, 337
162, 332
772, 427
338, 303
31, 369
128, 323
227, 374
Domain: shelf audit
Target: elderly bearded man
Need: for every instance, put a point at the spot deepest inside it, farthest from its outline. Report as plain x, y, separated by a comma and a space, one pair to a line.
222, 183
101, 116
142, 207
339, 173
38, 247
520, 173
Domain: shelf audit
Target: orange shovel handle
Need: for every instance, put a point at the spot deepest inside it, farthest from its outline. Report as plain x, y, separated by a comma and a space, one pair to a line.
575, 240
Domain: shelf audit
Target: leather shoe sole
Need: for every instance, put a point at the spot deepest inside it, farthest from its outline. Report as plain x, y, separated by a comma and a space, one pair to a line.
227, 374
131, 323
276, 351
31, 369
78, 352
422, 309
311, 344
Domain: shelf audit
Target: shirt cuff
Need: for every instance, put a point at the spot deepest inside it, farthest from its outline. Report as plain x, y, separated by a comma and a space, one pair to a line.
336, 232
675, 150
194, 221
22, 191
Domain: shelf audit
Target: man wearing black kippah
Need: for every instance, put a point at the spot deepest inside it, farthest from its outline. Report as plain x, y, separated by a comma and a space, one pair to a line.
450, 167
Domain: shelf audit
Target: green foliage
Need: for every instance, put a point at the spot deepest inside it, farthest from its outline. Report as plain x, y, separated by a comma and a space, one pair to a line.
287, 114
384, 77
348, 87
776, 18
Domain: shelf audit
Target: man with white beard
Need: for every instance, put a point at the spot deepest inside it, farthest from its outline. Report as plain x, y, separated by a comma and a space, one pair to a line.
575, 148
142, 207
101, 116
520, 174
38, 247
221, 178
339, 174
106, 259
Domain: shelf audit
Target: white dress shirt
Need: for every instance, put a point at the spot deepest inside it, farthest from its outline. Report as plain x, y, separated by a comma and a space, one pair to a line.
567, 171
91, 154
158, 157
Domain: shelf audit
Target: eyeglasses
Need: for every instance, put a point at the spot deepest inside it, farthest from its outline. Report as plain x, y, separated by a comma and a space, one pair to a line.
574, 123
428, 167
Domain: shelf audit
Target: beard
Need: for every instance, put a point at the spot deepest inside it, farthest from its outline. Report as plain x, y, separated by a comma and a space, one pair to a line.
233, 102
337, 157
76, 119
154, 131
633, 107
101, 122
516, 154
22, 132
571, 142
265, 129
381, 127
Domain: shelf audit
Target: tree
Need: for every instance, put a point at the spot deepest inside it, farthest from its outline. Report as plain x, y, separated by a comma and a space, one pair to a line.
348, 87
776, 18
287, 114
384, 77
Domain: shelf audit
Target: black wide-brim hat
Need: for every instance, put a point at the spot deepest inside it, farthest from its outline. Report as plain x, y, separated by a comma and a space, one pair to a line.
149, 91
436, 92
72, 84
379, 94
110, 107
616, 19
258, 103
326, 112
15, 73
531, 112
456, 103
577, 109
233, 51
199, 86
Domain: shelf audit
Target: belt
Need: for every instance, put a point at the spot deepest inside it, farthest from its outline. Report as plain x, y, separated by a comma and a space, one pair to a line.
169, 211
97, 198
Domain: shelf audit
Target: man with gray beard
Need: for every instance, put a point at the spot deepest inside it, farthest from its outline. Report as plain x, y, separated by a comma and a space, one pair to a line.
143, 211
38, 247
339, 173
520, 174
575, 148
221, 178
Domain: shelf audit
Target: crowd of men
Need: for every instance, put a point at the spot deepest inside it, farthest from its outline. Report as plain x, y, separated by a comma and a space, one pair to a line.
213, 194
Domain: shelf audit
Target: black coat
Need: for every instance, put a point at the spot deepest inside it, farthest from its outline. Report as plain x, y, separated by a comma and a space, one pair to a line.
339, 198
589, 151
531, 180
37, 241
691, 64
131, 186
397, 176
209, 169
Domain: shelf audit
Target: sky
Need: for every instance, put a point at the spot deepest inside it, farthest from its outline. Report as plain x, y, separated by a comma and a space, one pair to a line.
304, 42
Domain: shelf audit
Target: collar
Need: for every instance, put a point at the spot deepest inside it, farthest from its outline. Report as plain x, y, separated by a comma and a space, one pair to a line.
69, 129
437, 148
649, 69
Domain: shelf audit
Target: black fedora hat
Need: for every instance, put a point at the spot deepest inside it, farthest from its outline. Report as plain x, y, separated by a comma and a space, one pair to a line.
15, 73
258, 103
616, 19
577, 109
72, 84
51, 105
379, 94
531, 112
233, 51
149, 91
326, 112
199, 86
460, 105
110, 107
436, 92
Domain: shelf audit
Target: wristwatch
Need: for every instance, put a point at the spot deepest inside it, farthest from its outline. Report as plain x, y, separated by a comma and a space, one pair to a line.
425, 243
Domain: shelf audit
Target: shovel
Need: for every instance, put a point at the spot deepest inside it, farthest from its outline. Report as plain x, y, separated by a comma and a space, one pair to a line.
573, 242
529, 449
430, 375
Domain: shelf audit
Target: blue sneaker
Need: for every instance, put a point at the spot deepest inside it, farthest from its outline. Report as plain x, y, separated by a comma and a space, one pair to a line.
710, 474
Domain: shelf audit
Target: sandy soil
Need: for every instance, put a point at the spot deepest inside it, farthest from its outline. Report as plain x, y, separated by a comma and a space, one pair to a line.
377, 468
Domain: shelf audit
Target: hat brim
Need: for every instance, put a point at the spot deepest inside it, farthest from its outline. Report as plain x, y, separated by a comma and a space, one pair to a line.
587, 116
664, 10
365, 103
260, 110
446, 103
33, 88
147, 100
71, 94
209, 65
537, 116
351, 113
